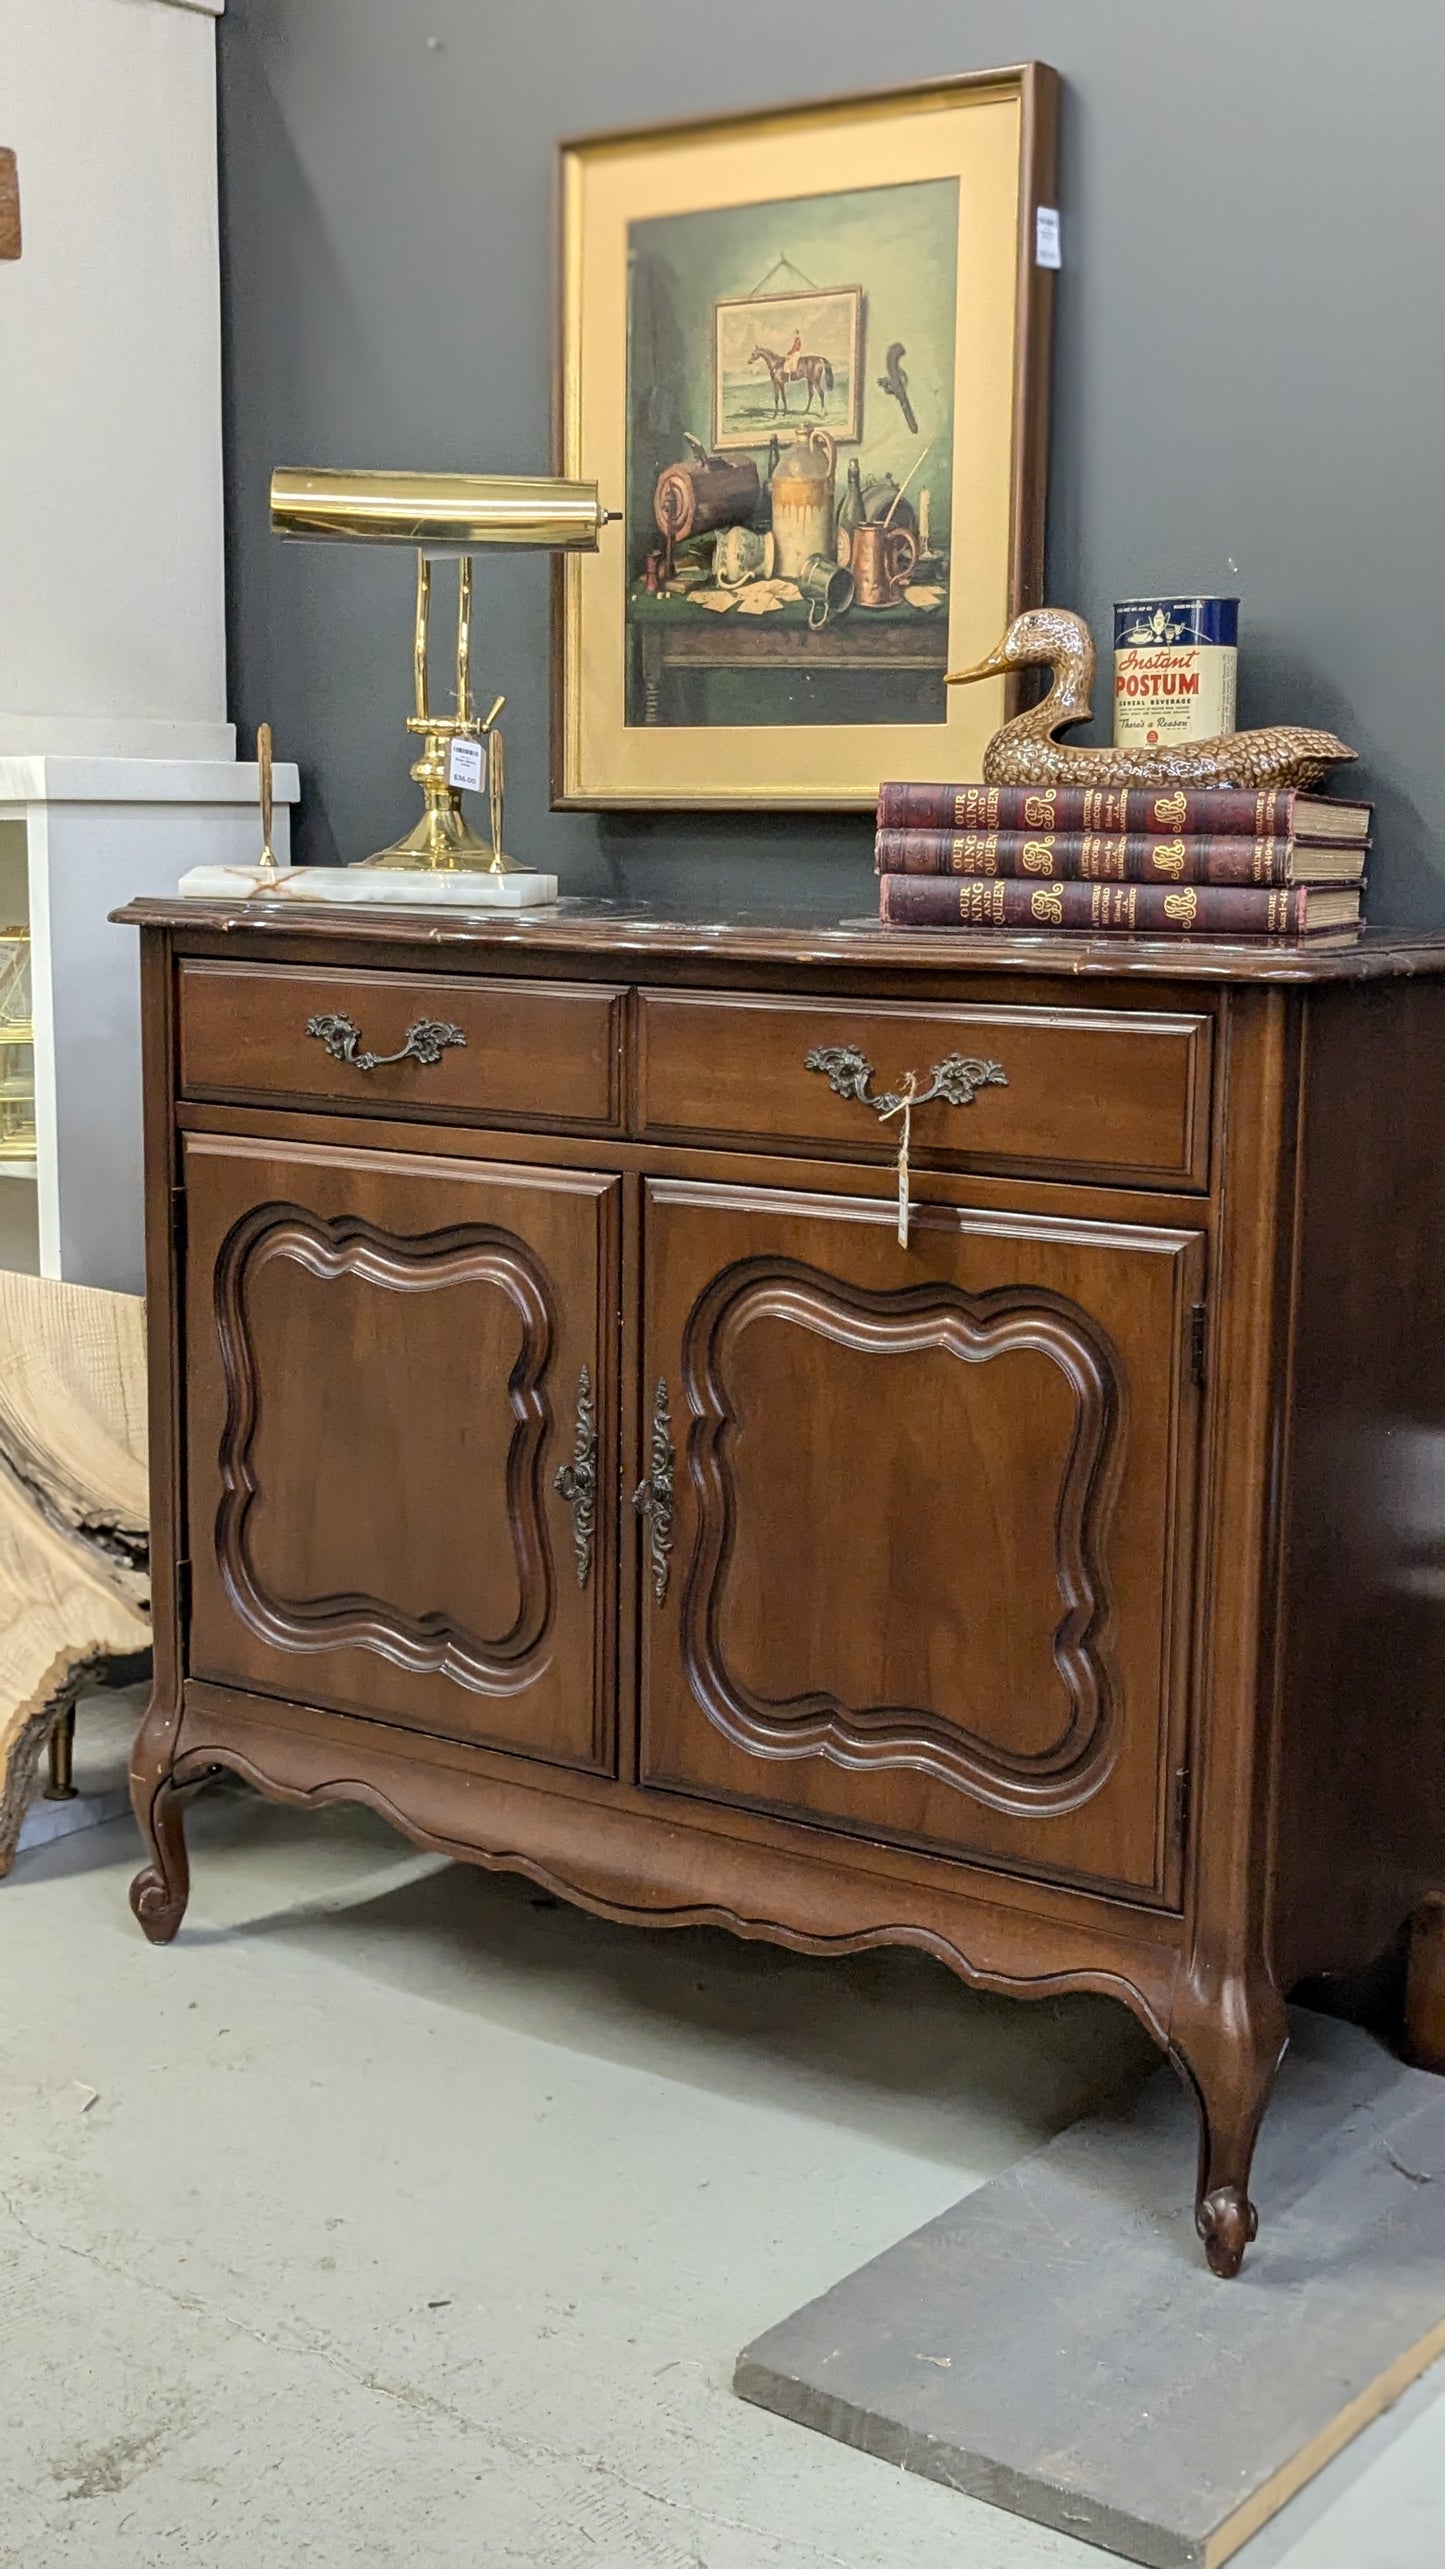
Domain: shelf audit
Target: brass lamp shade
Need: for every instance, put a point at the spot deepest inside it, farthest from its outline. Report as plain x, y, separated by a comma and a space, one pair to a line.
455, 514
442, 511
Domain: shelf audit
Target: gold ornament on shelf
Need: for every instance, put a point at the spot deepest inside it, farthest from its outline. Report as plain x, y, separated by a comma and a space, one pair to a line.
1025, 751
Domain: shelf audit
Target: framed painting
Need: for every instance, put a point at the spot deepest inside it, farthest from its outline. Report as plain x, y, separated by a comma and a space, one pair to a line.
777, 355
805, 354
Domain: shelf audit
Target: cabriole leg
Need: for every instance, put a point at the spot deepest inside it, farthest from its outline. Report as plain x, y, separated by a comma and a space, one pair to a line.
161, 1889
1425, 1986
1229, 2056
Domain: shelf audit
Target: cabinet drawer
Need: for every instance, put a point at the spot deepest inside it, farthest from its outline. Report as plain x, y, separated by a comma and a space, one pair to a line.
531, 1052
1114, 1093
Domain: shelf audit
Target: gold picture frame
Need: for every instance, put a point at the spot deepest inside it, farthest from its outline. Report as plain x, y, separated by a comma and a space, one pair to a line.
770, 323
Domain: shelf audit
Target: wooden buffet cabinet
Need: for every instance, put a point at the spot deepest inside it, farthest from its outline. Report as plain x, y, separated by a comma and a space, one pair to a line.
554, 1447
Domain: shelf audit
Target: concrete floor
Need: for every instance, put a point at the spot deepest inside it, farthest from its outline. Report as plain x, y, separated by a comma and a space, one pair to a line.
397, 2217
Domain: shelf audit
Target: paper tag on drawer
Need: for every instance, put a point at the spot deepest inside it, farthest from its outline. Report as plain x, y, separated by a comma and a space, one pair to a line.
467, 765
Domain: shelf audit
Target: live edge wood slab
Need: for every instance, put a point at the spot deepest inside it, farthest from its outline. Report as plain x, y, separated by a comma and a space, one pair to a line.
553, 1445
74, 1581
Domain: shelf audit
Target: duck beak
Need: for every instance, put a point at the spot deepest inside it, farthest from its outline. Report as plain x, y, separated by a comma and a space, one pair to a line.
994, 666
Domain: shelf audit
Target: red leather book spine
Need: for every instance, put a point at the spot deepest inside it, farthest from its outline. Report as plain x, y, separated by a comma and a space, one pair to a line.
1218, 811
1084, 857
1145, 909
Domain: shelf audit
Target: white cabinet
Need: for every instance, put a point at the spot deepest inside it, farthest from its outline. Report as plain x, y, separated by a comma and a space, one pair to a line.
78, 836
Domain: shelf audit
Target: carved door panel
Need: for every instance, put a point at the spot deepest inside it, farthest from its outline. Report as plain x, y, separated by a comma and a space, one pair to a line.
922, 1570
389, 1360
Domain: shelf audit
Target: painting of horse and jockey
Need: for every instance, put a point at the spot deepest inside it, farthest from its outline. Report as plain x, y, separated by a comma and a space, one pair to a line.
781, 358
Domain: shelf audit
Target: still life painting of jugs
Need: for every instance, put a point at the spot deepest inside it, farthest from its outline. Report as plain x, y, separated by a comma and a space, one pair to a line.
802, 496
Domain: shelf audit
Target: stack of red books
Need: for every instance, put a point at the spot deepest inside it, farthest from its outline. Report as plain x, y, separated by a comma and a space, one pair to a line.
1152, 861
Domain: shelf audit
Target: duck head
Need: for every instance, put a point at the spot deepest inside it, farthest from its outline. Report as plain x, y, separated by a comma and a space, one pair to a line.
1041, 637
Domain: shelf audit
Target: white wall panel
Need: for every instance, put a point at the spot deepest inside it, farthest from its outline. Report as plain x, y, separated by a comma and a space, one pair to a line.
112, 625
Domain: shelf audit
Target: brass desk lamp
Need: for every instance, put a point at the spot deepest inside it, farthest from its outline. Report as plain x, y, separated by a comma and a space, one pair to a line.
446, 514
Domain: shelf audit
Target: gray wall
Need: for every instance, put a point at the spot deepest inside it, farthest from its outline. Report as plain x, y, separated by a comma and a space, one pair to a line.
1249, 364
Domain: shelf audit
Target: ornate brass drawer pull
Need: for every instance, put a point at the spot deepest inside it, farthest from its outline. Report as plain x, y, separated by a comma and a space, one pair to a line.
576, 1482
652, 1498
957, 1081
426, 1042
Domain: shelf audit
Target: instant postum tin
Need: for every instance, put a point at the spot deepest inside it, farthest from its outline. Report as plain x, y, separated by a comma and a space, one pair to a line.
1175, 667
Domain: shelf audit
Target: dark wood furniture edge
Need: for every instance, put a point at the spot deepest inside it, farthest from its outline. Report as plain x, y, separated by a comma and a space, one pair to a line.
212, 1709
1068, 1193
813, 1901
1228, 2027
159, 1892
864, 1167
627, 937
1425, 1986
1357, 1851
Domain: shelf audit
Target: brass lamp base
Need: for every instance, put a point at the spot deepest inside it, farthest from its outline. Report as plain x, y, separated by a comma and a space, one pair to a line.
443, 841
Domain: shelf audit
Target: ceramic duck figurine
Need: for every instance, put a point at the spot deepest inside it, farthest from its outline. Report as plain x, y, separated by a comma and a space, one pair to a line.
1025, 752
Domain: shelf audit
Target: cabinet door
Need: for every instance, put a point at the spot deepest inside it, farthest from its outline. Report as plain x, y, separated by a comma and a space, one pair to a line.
918, 1564
388, 1360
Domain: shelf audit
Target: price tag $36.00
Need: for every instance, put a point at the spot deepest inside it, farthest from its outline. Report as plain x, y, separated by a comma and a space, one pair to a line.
467, 765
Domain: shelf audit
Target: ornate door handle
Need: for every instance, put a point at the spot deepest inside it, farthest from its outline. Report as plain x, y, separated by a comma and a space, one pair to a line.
426, 1042
652, 1498
576, 1482
957, 1080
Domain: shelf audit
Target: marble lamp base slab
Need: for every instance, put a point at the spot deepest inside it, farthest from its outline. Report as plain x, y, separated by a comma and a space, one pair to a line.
354, 885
